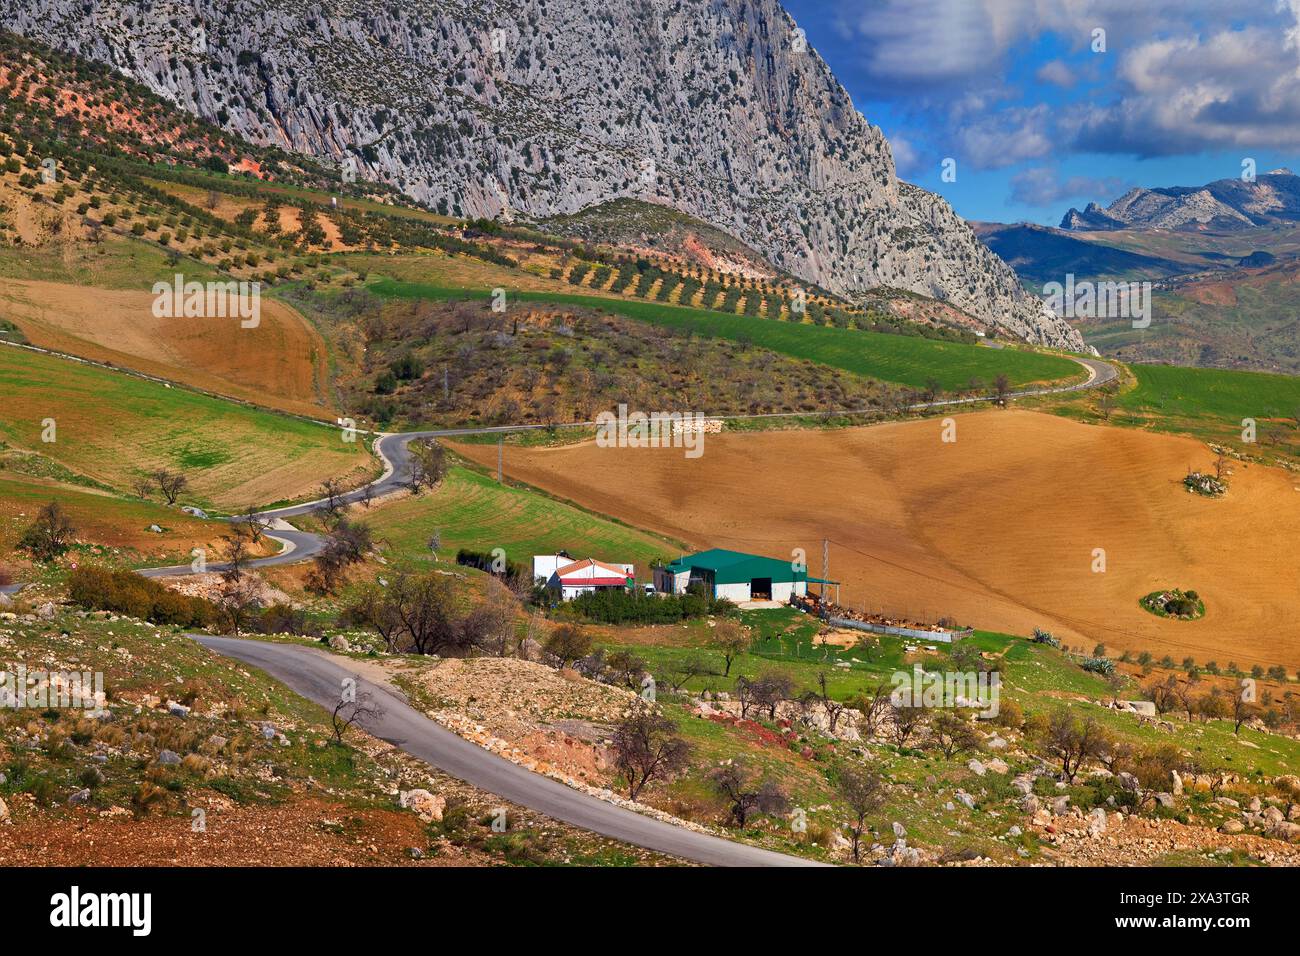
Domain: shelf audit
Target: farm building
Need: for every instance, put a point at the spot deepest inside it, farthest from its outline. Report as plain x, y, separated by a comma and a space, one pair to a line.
733, 575
570, 578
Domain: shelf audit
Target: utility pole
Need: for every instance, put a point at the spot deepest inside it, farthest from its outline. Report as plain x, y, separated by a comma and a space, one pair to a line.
826, 564
501, 454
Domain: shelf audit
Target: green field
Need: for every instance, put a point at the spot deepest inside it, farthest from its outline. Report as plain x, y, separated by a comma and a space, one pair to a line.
891, 358
1039, 678
112, 427
1176, 392
470, 510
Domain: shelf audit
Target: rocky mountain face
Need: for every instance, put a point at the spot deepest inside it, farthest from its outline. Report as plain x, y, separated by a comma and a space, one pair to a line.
544, 107
1226, 204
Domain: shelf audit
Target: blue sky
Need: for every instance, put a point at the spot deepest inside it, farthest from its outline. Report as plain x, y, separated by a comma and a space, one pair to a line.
1038, 121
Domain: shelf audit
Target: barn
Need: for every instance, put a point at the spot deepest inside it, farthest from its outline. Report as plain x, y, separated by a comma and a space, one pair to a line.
733, 575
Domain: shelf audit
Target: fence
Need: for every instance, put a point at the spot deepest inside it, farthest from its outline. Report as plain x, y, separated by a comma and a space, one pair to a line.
941, 637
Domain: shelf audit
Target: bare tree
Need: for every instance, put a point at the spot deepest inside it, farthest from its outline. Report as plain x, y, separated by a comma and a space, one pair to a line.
346, 544
253, 524
357, 710
832, 707
905, 721
238, 600
1220, 464
770, 690
864, 793
428, 463
1074, 741
745, 793
331, 493
491, 624
1002, 388
172, 484
143, 486
647, 747
1242, 710
425, 606
953, 734
237, 556
873, 708
687, 668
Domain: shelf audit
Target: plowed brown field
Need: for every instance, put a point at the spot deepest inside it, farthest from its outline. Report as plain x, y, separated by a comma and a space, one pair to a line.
997, 529
281, 363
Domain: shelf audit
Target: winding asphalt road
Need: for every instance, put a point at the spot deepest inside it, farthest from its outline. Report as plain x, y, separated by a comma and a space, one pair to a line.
318, 677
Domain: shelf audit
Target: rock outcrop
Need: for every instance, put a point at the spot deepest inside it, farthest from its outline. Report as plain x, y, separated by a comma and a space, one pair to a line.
717, 108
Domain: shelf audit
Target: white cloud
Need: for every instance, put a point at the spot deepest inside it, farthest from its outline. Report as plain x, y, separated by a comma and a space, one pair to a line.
1005, 137
1178, 75
1057, 73
1044, 186
907, 160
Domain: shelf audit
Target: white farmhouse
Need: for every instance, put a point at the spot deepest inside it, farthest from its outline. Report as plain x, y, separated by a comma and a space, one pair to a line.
569, 578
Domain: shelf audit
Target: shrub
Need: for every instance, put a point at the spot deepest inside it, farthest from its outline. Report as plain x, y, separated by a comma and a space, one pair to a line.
125, 592
633, 607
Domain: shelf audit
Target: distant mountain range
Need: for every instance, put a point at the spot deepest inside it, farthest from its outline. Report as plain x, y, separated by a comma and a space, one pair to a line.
1041, 254
1225, 204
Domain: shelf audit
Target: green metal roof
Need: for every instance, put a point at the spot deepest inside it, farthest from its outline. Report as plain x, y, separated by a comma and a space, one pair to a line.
736, 567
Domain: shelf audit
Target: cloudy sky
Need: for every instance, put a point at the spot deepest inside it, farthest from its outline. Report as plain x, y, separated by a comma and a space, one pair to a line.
1042, 111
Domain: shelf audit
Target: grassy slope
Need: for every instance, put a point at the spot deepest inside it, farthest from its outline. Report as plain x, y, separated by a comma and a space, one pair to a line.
891, 358
116, 526
1198, 392
472, 511
113, 427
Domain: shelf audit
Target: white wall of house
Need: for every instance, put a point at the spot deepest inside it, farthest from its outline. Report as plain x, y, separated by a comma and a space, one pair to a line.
783, 590
733, 592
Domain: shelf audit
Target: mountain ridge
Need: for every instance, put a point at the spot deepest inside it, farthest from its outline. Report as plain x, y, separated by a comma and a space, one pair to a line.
508, 109
1225, 204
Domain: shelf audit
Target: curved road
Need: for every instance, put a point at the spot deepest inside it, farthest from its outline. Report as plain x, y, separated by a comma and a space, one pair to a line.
318, 676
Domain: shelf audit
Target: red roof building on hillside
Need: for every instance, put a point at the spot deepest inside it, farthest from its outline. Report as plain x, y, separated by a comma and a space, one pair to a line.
572, 578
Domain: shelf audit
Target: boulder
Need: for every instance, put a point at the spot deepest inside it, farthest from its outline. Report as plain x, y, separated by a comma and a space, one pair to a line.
1177, 788
1285, 831
169, 758
975, 767
340, 644
1165, 799
4, 812
1232, 826
1061, 805
900, 831
177, 710
1128, 781
81, 796
997, 765
1029, 804
425, 805
997, 743
965, 799
46, 611
1096, 823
